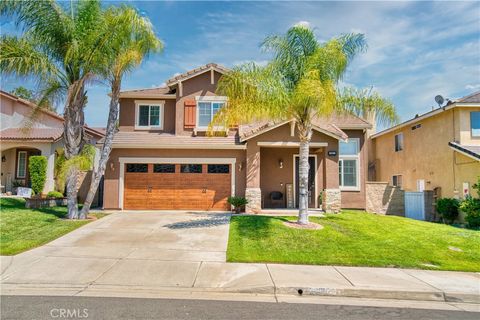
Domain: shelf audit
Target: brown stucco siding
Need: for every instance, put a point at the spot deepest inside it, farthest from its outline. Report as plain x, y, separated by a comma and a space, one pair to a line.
265, 162
356, 199
197, 86
127, 115
112, 176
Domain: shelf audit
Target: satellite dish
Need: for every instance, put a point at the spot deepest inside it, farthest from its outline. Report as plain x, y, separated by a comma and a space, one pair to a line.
439, 99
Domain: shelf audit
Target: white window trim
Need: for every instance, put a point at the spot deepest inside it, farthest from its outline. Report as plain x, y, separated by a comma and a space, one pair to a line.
351, 157
18, 164
210, 99
395, 142
398, 186
471, 125
139, 103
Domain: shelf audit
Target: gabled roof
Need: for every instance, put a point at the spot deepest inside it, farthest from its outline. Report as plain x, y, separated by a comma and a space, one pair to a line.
327, 126
472, 100
196, 72
469, 151
45, 112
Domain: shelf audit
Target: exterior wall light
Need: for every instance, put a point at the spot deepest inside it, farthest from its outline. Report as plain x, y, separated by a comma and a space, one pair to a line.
280, 164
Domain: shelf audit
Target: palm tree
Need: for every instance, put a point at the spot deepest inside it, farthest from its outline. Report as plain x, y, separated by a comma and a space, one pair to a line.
60, 47
369, 105
299, 83
133, 41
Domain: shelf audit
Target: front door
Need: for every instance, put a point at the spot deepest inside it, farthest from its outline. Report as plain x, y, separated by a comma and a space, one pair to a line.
311, 181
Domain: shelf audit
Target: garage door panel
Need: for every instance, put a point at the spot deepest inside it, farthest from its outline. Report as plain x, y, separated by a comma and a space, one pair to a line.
177, 190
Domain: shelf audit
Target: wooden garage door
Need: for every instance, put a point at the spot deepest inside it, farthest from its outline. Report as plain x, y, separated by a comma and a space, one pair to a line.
177, 186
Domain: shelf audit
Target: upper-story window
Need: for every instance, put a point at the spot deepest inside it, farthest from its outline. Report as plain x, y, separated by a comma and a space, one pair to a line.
475, 123
399, 142
149, 115
207, 107
349, 164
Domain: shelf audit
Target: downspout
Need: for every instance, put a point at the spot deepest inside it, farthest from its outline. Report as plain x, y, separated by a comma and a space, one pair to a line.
455, 191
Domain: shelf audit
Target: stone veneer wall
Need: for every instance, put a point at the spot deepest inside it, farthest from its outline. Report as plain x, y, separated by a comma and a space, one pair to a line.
332, 200
254, 198
382, 198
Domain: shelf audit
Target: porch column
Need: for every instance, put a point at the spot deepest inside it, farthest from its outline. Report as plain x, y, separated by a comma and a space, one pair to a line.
253, 193
50, 183
331, 196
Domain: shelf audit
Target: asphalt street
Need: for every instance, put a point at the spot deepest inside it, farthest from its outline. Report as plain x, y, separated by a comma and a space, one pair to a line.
51, 307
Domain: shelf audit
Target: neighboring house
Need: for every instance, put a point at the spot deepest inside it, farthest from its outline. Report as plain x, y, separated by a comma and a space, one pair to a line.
22, 136
162, 157
439, 150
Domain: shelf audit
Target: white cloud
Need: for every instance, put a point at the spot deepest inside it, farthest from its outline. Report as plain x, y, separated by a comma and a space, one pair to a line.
473, 87
302, 23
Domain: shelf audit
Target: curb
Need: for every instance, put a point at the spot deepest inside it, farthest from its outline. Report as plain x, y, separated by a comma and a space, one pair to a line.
365, 293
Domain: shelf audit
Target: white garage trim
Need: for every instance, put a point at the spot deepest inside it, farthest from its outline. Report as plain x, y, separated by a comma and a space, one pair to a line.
124, 160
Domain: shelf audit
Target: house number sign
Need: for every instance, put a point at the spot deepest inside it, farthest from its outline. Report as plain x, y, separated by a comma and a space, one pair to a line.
332, 153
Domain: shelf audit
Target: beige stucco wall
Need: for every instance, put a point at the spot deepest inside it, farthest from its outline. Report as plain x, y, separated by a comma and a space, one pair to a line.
426, 154
463, 132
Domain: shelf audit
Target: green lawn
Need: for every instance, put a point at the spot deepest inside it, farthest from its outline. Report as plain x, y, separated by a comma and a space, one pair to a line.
354, 238
22, 229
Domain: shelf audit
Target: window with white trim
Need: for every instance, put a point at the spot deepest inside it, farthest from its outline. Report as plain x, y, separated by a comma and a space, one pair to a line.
475, 123
148, 115
22, 164
399, 142
397, 181
349, 164
206, 112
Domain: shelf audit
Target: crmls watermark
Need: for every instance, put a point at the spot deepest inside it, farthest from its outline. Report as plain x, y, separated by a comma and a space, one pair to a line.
63, 313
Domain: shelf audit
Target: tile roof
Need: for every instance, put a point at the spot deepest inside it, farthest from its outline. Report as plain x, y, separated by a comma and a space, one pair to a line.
471, 98
196, 71
48, 134
332, 125
145, 139
471, 151
158, 90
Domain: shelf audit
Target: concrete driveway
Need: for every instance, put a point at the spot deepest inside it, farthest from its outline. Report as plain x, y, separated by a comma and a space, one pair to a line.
159, 249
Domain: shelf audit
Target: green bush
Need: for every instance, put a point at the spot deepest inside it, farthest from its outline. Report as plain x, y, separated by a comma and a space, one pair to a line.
37, 167
471, 207
54, 194
448, 209
237, 202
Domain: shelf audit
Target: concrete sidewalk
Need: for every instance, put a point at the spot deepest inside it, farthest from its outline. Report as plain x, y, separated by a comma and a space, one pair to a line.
135, 277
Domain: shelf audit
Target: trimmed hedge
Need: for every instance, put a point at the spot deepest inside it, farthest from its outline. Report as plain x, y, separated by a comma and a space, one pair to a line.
54, 194
37, 167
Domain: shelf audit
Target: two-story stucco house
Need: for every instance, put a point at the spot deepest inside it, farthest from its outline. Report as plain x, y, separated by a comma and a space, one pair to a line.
163, 159
22, 136
439, 150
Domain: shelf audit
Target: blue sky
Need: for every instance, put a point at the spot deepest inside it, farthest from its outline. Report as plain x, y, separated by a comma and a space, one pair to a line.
416, 49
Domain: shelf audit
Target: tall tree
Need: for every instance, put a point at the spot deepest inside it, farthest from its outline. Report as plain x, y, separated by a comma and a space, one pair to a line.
133, 40
299, 83
61, 46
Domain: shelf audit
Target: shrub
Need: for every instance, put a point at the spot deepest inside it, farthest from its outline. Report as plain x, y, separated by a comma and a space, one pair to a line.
448, 209
237, 202
37, 167
54, 194
471, 207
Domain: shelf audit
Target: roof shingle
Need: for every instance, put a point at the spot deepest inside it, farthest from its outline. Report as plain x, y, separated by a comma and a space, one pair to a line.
49, 134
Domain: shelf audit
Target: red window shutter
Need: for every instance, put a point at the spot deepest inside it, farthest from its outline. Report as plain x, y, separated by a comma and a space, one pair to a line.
190, 114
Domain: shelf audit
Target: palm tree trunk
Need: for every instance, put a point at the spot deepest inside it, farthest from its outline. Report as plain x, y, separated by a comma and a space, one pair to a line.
303, 175
74, 139
106, 148
72, 191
